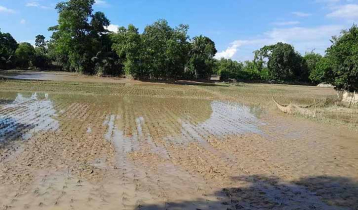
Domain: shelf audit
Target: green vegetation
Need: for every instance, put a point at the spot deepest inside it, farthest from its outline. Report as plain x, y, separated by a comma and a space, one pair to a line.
201, 61
343, 55
81, 43
283, 62
25, 55
8, 46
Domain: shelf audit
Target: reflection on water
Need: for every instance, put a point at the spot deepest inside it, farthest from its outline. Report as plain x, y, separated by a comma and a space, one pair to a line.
162, 119
26, 116
226, 119
128, 119
229, 119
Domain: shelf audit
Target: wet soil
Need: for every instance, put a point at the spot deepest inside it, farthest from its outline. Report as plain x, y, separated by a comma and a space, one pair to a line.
158, 146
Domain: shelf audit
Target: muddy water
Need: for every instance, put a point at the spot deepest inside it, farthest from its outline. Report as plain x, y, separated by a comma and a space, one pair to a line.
179, 121
130, 152
27, 115
133, 119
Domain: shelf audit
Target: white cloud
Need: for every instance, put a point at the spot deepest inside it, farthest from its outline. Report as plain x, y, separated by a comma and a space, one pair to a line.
231, 51
101, 3
286, 23
301, 14
32, 4
22, 21
6, 10
113, 28
228, 53
36, 4
303, 39
348, 11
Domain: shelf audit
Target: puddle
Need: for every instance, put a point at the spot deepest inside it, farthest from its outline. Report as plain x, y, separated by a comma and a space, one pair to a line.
27, 115
226, 119
168, 122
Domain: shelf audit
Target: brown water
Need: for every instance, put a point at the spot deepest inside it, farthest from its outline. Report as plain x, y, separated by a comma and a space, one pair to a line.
183, 121
93, 151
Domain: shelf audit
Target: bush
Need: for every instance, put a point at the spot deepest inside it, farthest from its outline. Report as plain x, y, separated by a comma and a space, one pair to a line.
25, 55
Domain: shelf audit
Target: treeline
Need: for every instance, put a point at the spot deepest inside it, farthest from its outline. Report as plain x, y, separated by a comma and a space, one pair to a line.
81, 43
281, 63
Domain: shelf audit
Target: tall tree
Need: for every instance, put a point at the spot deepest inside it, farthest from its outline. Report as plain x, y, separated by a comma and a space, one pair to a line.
166, 49
40, 41
202, 54
128, 45
77, 37
343, 55
8, 45
283, 62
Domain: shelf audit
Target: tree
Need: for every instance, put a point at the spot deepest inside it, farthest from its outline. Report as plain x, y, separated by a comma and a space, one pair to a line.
78, 37
228, 69
166, 50
201, 62
41, 59
310, 61
343, 55
322, 71
40, 41
25, 55
8, 46
127, 43
284, 63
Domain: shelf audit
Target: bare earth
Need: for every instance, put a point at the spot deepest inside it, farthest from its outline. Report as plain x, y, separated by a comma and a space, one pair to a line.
132, 145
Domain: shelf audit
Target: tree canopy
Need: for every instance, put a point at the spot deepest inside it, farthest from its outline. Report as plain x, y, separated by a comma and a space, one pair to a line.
283, 62
8, 46
343, 56
79, 36
201, 62
81, 42
25, 55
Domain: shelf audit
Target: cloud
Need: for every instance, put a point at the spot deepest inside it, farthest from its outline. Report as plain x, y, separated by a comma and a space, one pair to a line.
113, 28
286, 23
302, 38
231, 51
348, 11
101, 3
36, 4
301, 14
6, 10
22, 21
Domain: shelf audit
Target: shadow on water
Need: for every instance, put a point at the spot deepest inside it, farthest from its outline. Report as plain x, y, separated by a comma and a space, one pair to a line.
260, 192
24, 116
11, 130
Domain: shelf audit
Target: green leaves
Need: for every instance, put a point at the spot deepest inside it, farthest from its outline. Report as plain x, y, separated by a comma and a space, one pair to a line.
8, 46
283, 62
161, 52
80, 36
127, 43
201, 62
25, 54
343, 55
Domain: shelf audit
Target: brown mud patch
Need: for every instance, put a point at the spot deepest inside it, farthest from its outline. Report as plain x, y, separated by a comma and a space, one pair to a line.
147, 146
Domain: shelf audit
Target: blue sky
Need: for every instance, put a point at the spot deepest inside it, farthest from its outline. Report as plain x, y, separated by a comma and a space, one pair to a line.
238, 27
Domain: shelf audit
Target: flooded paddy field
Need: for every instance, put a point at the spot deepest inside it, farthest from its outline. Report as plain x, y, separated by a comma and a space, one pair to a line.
84, 145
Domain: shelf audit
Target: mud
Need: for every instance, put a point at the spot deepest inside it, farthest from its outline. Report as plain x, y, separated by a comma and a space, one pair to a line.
146, 146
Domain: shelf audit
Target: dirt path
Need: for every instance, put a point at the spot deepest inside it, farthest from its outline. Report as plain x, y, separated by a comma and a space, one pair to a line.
75, 151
